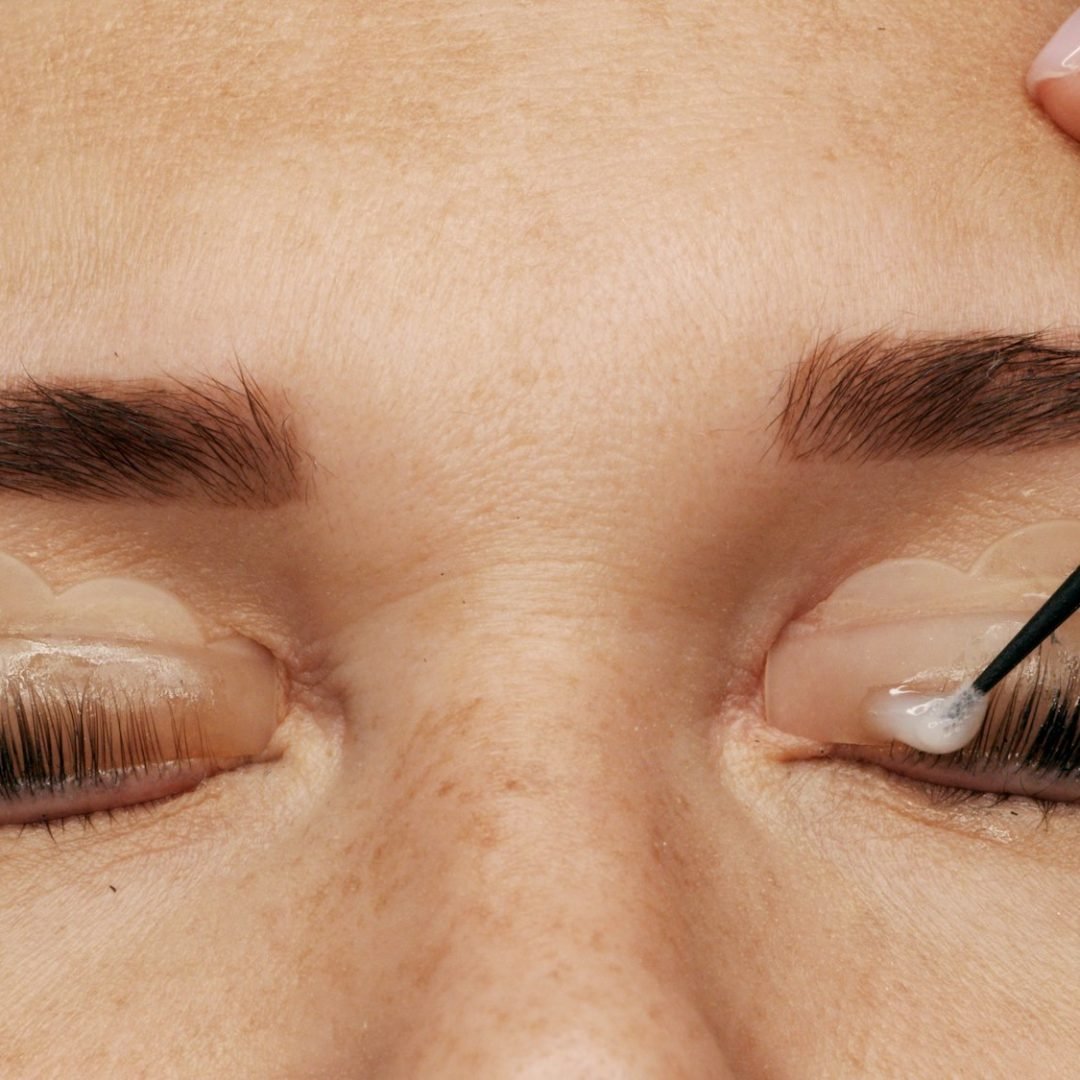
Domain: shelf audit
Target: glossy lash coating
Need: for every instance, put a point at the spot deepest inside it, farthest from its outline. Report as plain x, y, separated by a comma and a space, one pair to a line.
70, 750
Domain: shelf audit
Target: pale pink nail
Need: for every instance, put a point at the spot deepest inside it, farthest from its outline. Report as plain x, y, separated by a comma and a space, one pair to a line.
1060, 57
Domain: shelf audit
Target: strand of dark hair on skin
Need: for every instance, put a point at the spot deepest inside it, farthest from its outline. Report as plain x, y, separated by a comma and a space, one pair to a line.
881, 397
139, 439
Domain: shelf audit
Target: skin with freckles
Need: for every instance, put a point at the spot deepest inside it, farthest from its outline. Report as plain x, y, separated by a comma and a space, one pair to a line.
526, 280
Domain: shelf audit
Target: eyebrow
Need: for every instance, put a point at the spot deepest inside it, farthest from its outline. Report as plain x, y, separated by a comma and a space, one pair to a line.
881, 397
151, 441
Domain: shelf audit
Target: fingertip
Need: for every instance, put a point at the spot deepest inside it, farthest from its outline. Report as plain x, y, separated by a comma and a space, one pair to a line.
1060, 99
1058, 59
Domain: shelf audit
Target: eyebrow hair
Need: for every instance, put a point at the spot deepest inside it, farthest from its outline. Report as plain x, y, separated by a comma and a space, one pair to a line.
110, 440
885, 397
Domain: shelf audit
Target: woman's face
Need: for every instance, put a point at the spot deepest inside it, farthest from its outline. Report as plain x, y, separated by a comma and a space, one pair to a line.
526, 284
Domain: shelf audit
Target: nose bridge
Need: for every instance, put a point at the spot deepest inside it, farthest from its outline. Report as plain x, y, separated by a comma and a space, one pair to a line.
522, 861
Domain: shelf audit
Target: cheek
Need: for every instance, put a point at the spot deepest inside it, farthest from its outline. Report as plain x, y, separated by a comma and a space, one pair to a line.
866, 920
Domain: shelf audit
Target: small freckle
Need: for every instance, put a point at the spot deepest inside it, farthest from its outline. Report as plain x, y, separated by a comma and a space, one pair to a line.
512, 785
445, 788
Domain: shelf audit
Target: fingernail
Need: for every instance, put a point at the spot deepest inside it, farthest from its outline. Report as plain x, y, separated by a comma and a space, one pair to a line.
1060, 56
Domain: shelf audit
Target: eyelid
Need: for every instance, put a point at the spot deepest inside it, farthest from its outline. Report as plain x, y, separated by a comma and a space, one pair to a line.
110, 695
88, 726
107, 792
955, 778
230, 686
817, 679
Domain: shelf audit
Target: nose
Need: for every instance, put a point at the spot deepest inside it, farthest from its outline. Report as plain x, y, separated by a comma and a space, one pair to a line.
524, 884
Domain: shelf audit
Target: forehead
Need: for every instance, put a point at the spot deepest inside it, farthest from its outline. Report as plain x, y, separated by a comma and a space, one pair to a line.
178, 170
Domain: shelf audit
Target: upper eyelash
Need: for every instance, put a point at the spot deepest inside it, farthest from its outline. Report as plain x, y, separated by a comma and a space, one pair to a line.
1032, 723
66, 736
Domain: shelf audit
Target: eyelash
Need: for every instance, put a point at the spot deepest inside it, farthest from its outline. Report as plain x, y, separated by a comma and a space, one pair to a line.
87, 750
1031, 734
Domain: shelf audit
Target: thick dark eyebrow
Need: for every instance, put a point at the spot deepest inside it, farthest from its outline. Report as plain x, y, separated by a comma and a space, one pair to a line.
209, 441
885, 397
